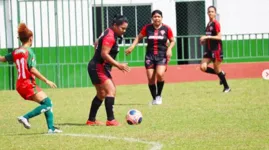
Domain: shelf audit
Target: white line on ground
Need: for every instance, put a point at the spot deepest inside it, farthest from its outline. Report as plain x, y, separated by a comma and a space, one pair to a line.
155, 145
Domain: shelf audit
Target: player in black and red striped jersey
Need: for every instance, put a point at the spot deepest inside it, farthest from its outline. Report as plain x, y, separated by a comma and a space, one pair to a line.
99, 68
158, 53
213, 49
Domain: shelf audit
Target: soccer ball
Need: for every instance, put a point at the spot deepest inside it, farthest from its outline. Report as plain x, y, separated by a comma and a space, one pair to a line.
134, 117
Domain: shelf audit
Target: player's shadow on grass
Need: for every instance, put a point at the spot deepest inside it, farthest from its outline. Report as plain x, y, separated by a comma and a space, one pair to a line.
71, 124
25, 134
131, 104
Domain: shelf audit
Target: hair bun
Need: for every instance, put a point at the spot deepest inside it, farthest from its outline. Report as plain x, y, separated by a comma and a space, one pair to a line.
117, 16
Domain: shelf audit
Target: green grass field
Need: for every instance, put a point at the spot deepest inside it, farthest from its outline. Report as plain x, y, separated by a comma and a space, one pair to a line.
194, 115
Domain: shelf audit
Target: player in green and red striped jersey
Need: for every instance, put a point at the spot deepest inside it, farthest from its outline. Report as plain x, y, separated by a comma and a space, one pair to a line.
25, 61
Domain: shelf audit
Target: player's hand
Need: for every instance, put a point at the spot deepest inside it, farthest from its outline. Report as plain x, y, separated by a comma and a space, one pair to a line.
124, 67
169, 53
51, 84
202, 39
129, 50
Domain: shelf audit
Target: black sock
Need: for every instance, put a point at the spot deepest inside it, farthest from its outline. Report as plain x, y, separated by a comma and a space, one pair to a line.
109, 102
153, 91
223, 80
160, 87
210, 70
96, 103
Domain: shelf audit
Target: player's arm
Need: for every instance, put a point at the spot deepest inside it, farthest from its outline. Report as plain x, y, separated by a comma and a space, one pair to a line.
2, 59
138, 38
217, 37
6, 58
95, 44
35, 72
32, 67
172, 41
107, 44
105, 55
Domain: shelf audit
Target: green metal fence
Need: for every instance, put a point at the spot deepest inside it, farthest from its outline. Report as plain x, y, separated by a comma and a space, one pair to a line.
64, 31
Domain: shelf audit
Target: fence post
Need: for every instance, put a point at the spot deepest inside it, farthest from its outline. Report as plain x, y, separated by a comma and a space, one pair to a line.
57, 44
9, 39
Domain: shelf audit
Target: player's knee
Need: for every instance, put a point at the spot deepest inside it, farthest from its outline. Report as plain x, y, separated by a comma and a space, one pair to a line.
151, 81
48, 104
111, 92
217, 70
160, 76
203, 67
101, 95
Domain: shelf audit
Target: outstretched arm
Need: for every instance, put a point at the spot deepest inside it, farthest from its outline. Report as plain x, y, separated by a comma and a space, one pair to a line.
35, 72
137, 39
2, 59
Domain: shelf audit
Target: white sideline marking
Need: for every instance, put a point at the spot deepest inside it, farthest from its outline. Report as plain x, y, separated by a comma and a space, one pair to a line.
155, 145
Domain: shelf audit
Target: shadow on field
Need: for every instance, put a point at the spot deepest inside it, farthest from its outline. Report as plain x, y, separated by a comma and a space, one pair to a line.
130, 104
24, 134
71, 124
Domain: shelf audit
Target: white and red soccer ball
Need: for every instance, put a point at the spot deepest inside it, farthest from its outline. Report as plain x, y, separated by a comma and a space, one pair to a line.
134, 117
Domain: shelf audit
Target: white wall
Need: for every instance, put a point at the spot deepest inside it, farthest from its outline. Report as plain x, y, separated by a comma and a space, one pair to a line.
243, 16
236, 17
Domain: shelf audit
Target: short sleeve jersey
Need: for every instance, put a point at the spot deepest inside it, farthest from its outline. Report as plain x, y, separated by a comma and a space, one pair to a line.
157, 39
212, 29
24, 59
108, 38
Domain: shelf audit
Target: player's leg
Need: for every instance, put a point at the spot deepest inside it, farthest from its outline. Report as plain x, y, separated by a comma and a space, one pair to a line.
110, 90
42, 98
160, 71
96, 75
204, 66
45, 107
96, 103
219, 72
151, 76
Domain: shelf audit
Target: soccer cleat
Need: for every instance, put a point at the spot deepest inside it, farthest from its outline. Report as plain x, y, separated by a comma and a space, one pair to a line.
227, 90
24, 121
159, 100
112, 123
54, 131
220, 82
94, 123
154, 102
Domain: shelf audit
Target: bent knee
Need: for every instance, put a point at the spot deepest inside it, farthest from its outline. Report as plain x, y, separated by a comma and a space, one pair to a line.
101, 95
203, 67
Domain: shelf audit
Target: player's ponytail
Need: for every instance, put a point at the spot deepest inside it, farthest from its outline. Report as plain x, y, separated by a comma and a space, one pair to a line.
119, 20
24, 33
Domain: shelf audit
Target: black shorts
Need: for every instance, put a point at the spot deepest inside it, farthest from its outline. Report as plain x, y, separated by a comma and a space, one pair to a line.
214, 55
98, 73
152, 61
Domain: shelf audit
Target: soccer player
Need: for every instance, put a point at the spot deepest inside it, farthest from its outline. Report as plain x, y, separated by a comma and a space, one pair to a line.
99, 69
213, 49
25, 61
158, 53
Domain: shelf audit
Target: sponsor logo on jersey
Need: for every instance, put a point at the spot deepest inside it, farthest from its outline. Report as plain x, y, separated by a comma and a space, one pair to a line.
156, 37
208, 33
211, 28
162, 32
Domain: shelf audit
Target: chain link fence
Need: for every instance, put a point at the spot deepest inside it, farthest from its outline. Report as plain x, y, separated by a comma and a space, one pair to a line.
64, 32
